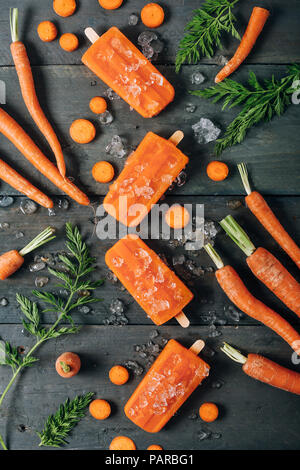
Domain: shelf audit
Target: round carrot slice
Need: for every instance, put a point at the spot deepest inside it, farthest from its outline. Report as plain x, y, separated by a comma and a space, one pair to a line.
100, 409
122, 443
154, 447
103, 172
64, 7
82, 131
152, 15
209, 412
177, 216
110, 4
69, 42
98, 105
217, 171
118, 375
47, 31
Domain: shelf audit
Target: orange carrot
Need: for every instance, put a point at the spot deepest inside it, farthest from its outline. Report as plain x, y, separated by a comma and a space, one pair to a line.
152, 15
103, 172
47, 31
82, 131
208, 412
118, 375
64, 8
16, 181
256, 23
110, 4
217, 171
122, 443
68, 364
100, 409
26, 81
14, 132
264, 370
238, 293
267, 218
98, 105
69, 42
177, 216
12, 260
265, 266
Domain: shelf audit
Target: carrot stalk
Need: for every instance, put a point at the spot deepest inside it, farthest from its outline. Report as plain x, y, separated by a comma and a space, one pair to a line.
21, 140
256, 23
238, 293
265, 266
44, 237
265, 370
259, 207
14, 179
30, 98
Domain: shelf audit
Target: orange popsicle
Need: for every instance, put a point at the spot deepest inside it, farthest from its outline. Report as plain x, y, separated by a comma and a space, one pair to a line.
175, 374
147, 174
153, 285
115, 60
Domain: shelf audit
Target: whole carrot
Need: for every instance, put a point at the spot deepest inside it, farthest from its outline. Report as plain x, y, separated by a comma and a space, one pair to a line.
237, 292
265, 266
30, 98
14, 179
267, 218
256, 23
14, 132
265, 370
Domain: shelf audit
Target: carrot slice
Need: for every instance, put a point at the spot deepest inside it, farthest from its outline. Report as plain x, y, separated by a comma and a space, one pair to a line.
98, 105
208, 412
100, 409
152, 15
154, 447
64, 8
69, 42
47, 31
110, 4
122, 443
217, 171
82, 131
118, 375
177, 216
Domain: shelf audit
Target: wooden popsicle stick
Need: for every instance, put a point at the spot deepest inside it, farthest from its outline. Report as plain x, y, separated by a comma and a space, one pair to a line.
91, 35
197, 347
183, 320
176, 137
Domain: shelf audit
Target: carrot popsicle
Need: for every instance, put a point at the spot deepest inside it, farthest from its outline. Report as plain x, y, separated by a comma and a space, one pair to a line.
153, 285
114, 59
173, 377
147, 174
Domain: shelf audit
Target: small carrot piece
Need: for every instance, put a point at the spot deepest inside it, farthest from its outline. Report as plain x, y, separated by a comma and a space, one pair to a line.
154, 447
68, 364
259, 207
82, 131
98, 105
103, 172
100, 409
47, 31
217, 171
240, 296
122, 443
177, 216
265, 370
16, 181
208, 412
152, 15
30, 98
110, 4
118, 375
69, 42
64, 8
256, 23
14, 132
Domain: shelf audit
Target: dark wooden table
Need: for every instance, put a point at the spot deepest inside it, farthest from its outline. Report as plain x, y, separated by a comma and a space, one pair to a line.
252, 415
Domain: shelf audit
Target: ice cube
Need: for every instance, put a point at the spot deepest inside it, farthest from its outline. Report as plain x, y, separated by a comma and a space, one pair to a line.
210, 231
205, 131
197, 78
111, 94
41, 281
146, 37
3, 302
233, 313
28, 206
181, 179
106, 118
133, 19
6, 201
148, 51
84, 309
63, 204
190, 108
19, 235
117, 306
222, 60
157, 45
234, 204
39, 266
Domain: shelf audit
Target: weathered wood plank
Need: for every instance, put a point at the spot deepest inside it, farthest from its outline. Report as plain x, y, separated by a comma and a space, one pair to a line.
271, 149
279, 43
252, 415
208, 295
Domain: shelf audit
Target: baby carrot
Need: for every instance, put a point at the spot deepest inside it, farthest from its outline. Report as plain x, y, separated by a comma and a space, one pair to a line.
68, 364
259, 207
110, 4
103, 172
217, 171
208, 412
14, 132
100, 409
265, 266
98, 105
238, 293
265, 370
177, 216
16, 181
27, 86
256, 23
69, 42
122, 443
12, 260
152, 15
47, 31
64, 7
82, 131
118, 375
